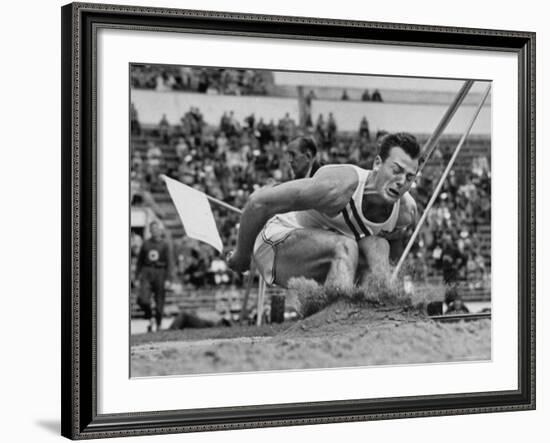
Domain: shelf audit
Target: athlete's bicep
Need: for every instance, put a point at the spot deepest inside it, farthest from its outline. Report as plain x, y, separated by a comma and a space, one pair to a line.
296, 195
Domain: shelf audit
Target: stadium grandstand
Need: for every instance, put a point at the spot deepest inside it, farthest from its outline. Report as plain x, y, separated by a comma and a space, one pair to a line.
225, 132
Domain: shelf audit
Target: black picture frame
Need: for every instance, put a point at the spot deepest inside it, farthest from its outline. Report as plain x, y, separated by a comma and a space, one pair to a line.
79, 211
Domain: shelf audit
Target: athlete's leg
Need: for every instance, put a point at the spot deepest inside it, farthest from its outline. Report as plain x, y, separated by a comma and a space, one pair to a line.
144, 294
160, 295
374, 259
324, 256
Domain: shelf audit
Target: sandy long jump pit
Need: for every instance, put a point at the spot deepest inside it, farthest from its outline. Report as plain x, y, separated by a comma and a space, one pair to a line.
336, 331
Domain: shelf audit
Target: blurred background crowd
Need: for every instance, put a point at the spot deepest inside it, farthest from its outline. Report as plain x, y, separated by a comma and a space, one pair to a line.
206, 80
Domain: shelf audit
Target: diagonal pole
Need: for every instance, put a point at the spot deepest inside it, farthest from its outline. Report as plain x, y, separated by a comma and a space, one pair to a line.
223, 204
431, 144
440, 184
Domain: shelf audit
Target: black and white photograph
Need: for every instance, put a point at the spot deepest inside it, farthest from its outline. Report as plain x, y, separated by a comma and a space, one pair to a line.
292, 220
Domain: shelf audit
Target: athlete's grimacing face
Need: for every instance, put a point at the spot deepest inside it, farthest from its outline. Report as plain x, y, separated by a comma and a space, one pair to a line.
395, 175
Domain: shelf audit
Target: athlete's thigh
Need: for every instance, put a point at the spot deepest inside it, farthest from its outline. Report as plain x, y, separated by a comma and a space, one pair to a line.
305, 253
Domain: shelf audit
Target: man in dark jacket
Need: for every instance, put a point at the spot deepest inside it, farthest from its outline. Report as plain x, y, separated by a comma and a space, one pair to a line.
153, 270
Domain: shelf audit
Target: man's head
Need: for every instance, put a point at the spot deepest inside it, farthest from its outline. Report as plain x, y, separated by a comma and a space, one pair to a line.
155, 230
301, 153
396, 165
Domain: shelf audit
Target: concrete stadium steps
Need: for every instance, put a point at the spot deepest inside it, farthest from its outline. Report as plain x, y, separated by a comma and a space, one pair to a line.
169, 156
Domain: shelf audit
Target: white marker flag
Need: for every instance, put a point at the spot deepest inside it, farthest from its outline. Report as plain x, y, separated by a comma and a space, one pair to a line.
195, 213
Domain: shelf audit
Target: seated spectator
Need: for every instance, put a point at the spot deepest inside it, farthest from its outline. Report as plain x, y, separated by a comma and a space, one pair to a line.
164, 129
310, 97
153, 163
161, 85
182, 149
203, 81
332, 128
364, 129
480, 166
186, 75
219, 271
320, 129
376, 96
250, 122
136, 191
135, 127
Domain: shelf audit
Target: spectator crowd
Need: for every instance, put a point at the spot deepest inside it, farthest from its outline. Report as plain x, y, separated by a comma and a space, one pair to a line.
225, 81
205, 80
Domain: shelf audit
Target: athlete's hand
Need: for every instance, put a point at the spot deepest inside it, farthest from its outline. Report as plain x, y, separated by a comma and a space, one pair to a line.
237, 262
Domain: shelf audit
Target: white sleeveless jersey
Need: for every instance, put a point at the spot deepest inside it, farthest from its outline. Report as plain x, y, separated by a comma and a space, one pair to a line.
350, 221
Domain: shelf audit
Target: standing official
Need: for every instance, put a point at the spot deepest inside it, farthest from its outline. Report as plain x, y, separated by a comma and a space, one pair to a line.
153, 270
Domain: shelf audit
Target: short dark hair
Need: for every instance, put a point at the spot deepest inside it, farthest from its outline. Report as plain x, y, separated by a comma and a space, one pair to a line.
306, 144
403, 140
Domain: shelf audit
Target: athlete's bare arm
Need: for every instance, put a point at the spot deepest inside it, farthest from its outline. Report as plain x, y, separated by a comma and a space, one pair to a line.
328, 192
408, 211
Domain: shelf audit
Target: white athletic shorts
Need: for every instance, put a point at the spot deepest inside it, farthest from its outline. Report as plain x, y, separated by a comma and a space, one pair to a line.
274, 233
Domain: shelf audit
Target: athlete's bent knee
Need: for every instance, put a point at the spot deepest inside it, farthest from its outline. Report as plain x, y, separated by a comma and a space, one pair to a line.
346, 248
375, 246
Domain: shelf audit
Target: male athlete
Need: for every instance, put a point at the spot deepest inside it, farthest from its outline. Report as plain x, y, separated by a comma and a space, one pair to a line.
335, 227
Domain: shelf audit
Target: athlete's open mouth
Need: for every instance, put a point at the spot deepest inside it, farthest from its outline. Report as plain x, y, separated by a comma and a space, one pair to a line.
393, 193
